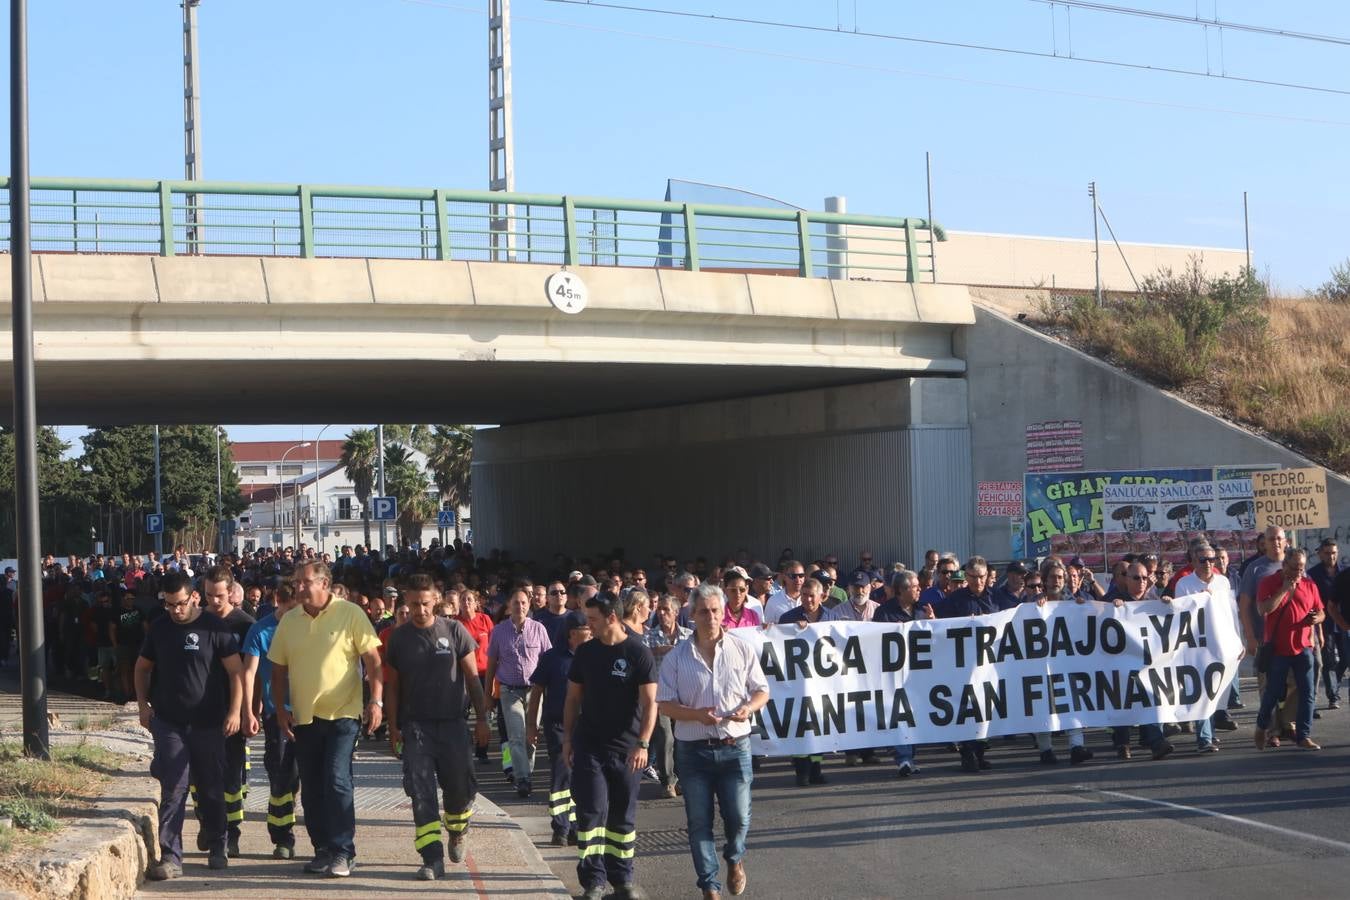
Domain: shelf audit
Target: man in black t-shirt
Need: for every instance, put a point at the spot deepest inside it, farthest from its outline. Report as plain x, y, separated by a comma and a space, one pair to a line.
189, 693
429, 664
218, 585
104, 618
128, 635
607, 723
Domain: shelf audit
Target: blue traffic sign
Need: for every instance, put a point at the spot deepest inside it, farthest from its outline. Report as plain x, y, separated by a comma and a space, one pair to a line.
154, 523
445, 518
383, 509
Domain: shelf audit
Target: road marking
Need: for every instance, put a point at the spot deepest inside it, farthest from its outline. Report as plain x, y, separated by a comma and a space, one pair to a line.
1181, 807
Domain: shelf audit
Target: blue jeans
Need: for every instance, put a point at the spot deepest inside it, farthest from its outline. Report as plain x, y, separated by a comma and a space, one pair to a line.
721, 771
904, 753
1204, 732
1280, 667
323, 752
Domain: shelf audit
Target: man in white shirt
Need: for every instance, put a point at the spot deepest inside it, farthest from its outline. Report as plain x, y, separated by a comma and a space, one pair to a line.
711, 686
790, 596
1206, 577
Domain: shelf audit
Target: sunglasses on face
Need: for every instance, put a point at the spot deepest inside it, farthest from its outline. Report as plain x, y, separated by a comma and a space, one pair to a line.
1033, 584
1137, 577
796, 574
1208, 560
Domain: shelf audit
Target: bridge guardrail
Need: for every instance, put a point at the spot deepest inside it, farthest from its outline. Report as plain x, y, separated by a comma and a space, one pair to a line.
170, 218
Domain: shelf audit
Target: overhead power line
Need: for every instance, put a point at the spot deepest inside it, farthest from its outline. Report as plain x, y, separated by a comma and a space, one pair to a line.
886, 70
961, 45
1196, 20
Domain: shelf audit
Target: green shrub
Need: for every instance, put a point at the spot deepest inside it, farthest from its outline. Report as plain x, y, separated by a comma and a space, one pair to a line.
1156, 345
1337, 288
1326, 435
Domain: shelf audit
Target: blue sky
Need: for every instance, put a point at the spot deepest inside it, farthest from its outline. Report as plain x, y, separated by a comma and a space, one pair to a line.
607, 102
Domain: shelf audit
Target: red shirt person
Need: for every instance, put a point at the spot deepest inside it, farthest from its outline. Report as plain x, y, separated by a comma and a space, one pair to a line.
1292, 606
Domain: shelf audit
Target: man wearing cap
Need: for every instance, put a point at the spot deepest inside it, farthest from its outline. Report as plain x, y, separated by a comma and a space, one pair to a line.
514, 649
711, 686
1011, 592
431, 664
1087, 588
761, 587
1335, 638
860, 606
548, 686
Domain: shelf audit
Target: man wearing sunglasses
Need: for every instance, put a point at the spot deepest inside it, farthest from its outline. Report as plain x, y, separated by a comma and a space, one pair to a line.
1139, 587
936, 596
789, 596
1206, 578
554, 614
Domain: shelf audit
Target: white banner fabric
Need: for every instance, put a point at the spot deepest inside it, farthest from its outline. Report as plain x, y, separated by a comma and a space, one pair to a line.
846, 685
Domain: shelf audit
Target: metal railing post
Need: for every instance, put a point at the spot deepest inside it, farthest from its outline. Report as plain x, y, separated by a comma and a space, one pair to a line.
569, 232
442, 226
691, 262
804, 243
306, 222
911, 253
166, 247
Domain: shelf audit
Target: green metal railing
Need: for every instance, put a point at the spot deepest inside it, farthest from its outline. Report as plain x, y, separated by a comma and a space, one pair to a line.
169, 218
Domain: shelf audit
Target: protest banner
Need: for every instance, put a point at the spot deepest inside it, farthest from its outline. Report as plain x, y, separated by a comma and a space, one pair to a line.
846, 685
1291, 498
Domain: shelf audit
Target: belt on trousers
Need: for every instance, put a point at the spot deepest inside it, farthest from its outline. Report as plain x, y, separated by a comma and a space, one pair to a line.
515, 687
714, 742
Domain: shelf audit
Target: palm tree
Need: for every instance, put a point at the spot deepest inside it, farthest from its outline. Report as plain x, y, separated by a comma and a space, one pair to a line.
409, 484
395, 455
449, 458
360, 458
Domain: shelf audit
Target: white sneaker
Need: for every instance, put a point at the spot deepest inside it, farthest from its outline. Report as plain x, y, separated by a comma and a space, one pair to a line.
907, 769
649, 773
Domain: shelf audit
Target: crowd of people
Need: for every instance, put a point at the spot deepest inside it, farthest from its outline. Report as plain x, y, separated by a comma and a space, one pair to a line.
623, 670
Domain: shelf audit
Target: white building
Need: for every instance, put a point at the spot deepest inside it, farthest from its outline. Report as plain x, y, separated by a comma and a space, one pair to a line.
289, 506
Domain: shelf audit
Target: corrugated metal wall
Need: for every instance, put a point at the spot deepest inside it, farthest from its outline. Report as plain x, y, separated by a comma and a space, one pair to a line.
893, 491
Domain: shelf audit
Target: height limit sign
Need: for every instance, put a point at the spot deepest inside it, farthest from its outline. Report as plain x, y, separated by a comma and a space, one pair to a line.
1291, 498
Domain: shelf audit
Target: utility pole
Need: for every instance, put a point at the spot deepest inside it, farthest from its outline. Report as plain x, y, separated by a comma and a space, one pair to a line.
501, 165
32, 642
1096, 242
932, 238
379, 487
1246, 231
159, 535
192, 118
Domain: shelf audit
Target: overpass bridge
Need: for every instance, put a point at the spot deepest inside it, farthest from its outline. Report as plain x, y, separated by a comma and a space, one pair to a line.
165, 301
741, 377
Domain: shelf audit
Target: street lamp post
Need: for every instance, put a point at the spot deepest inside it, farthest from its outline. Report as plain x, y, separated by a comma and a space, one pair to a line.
379, 441
159, 535
220, 505
281, 493
318, 524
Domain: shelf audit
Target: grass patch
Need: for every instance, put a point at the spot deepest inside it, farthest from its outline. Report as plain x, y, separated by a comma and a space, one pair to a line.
35, 793
1280, 365
86, 722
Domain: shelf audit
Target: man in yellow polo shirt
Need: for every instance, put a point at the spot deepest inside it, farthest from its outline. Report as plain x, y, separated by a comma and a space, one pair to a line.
315, 655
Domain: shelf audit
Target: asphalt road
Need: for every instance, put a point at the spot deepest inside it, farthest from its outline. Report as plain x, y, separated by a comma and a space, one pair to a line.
1239, 823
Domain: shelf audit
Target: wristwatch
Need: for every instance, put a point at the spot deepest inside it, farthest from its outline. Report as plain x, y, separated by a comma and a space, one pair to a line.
644, 744
379, 703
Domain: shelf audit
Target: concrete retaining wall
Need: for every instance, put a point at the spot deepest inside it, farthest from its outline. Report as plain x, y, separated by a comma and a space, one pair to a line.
1018, 377
830, 470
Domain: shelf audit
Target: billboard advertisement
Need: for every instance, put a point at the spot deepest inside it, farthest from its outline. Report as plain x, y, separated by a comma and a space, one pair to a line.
1101, 516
